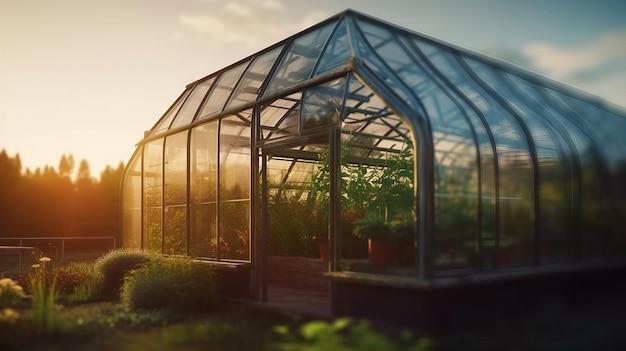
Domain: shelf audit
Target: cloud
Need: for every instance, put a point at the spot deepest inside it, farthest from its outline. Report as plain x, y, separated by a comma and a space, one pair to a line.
253, 24
605, 54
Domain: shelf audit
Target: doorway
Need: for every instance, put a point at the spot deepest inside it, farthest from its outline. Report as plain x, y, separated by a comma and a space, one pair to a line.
294, 191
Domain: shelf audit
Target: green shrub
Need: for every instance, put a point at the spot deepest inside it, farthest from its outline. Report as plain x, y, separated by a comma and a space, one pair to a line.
176, 283
88, 287
114, 265
345, 334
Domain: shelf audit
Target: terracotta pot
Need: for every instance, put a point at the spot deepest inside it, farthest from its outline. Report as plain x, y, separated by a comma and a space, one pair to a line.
381, 253
322, 245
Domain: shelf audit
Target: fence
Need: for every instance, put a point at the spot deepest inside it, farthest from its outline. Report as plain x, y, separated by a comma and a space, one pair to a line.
57, 247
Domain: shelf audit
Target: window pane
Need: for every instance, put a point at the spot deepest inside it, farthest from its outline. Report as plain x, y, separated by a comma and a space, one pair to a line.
203, 173
234, 159
235, 178
248, 88
323, 104
234, 242
221, 91
175, 194
281, 118
153, 195
165, 122
203, 242
338, 52
189, 109
131, 205
299, 61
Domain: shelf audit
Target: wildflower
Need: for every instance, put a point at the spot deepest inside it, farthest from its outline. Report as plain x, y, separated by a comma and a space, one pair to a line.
45, 259
35, 266
10, 291
8, 316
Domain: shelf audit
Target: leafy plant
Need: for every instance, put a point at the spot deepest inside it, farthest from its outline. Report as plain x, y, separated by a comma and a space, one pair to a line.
46, 319
373, 227
176, 283
115, 264
345, 334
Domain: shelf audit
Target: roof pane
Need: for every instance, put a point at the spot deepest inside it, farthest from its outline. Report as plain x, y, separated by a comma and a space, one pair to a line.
221, 91
281, 117
338, 51
248, 88
371, 38
164, 123
299, 61
189, 109
323, 104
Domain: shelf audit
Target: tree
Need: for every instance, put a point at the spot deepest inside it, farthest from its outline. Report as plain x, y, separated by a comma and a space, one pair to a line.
66, 165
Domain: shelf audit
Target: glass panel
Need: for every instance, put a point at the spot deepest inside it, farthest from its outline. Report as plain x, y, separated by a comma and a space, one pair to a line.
234, 187
153, 195
452, 75
203, 190
248, 88
453, 137
131, 203
559, 177
516, 176
298, 63
281, 118
222, 90
203, 241
175, 230
372, 38
176, 194
377, 182
234, 242
602, 199
337, 53
164, 123
323, 104
297, 206
189, 109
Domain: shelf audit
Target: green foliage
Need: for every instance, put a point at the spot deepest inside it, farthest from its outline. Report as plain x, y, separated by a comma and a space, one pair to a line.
114, 265
46, 319
222, 335
176, 283
293, 222
372, 227
89, 286
344, 334
11, 293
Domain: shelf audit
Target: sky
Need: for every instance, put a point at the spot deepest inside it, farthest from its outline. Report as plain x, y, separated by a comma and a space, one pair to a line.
88, 77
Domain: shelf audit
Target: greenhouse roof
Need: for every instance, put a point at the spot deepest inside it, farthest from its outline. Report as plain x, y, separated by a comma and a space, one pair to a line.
384, 55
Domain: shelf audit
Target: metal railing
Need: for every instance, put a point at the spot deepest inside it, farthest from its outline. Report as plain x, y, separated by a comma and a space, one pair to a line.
54, 239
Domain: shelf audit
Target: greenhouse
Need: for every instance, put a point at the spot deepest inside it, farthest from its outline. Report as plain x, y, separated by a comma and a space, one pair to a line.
393, 163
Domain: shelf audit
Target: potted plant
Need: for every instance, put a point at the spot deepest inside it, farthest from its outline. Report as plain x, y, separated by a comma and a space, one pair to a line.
377, 231
404, 235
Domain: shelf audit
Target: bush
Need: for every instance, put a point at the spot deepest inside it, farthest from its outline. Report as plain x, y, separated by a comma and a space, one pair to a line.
176, 283
11, 293
114, 265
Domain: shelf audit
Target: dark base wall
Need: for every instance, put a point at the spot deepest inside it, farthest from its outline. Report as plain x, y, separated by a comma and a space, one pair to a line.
299, 271
233, 281
466, 305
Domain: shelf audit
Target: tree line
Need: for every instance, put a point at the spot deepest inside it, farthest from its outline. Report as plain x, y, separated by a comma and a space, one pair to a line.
61, 201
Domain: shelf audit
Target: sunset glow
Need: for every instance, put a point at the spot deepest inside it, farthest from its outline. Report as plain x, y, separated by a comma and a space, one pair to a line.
87, 78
